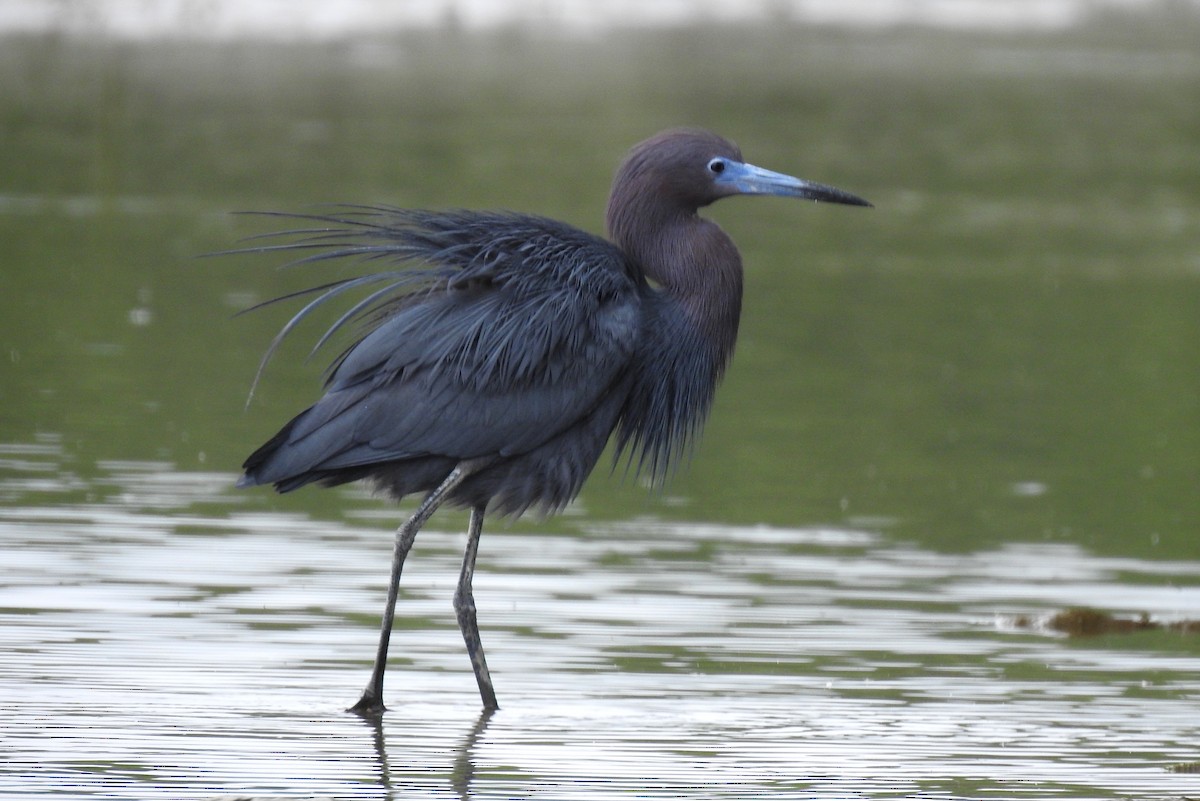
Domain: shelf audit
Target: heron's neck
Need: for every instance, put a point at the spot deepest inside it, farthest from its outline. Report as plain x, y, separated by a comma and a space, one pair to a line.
696, 265
689, 329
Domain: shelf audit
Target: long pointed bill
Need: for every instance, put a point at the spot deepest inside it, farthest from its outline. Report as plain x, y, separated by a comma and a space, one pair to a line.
746, 179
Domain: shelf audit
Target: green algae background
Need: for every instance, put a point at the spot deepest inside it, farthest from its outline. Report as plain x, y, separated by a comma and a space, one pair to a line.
1006, 349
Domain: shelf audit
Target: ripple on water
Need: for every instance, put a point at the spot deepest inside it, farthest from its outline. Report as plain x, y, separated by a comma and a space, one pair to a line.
159, 643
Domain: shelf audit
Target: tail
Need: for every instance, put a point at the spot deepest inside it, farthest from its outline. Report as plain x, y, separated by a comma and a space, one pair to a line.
267, 465
289, 462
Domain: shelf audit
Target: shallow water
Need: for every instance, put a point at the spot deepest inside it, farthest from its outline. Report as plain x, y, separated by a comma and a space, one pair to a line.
949, 418
154, 649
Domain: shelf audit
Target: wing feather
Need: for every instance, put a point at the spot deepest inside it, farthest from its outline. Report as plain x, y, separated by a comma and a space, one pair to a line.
494, 333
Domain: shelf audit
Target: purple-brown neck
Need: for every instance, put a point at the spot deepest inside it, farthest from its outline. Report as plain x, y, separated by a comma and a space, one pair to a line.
652, 216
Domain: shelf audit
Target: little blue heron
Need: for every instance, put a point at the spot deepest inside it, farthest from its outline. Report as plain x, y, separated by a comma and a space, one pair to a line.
500, 351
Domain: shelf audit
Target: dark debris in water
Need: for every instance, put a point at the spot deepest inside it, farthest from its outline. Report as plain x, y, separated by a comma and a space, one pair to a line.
1086, 622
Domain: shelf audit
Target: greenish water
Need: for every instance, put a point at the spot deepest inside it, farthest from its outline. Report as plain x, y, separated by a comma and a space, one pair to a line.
1020, 310
993, 373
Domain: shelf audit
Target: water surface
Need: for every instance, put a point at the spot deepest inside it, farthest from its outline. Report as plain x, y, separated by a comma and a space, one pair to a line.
158, 650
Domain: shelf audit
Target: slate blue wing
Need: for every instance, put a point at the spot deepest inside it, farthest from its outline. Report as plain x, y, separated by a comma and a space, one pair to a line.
500, 332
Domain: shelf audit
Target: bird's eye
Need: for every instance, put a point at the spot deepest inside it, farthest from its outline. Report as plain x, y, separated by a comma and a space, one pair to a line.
716, 166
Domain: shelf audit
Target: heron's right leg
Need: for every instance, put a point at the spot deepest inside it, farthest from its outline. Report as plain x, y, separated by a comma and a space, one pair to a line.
371, 702
464, 607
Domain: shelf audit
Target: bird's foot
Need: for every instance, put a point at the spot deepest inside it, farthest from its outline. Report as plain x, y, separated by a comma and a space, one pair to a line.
369, 706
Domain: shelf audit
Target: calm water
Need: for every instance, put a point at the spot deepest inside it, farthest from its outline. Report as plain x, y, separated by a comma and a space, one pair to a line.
973, 406
159, 644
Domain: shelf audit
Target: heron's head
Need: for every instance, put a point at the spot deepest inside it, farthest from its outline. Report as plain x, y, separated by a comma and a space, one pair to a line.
684, 169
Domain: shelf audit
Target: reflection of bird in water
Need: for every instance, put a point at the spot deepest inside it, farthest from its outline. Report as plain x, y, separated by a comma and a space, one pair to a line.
501, 351
462, 774
464, 757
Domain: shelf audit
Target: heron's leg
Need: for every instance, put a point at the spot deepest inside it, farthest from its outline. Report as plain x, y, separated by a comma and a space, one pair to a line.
464, 606
371, 702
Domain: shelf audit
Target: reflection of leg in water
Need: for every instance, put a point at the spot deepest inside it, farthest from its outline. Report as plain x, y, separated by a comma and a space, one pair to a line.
464, 765
462, 774
381, 760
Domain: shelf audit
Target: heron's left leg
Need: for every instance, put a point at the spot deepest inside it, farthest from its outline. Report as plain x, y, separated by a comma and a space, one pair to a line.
464, 607
371, 702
